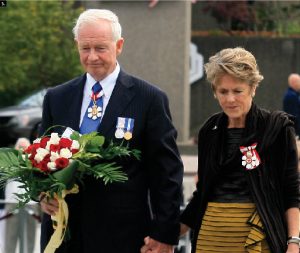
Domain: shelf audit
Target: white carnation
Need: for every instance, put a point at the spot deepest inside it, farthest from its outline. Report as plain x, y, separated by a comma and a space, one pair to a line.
66, 153
75, 145
51, 166
54, 139
38, 140
40, 154
54, 156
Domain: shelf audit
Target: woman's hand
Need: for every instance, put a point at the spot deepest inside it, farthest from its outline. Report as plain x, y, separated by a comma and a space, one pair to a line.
293, 248
183, 229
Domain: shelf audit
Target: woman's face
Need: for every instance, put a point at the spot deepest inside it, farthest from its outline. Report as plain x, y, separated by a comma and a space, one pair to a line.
235, 99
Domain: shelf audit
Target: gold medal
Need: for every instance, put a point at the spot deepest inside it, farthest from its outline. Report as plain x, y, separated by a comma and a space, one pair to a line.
127, 136
94, 110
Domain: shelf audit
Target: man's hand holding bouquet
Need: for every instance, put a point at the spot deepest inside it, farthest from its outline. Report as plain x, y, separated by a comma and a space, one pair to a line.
52, 166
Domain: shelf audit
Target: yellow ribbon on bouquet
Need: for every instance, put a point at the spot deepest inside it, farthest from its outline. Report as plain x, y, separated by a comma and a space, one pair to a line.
61, 221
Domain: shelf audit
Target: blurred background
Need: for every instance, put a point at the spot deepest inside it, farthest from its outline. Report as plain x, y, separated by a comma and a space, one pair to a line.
166, 43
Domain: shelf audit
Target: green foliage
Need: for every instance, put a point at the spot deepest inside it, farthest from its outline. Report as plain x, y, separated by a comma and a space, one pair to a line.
282, 17
37, 48
277, 18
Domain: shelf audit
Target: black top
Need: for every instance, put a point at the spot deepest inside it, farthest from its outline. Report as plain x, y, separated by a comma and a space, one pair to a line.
231, 185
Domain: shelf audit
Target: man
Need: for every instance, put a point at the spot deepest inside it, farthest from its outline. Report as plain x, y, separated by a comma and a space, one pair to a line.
291, 100
117, 217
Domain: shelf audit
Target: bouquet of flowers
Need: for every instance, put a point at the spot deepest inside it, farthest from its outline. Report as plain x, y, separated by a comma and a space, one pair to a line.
52, 166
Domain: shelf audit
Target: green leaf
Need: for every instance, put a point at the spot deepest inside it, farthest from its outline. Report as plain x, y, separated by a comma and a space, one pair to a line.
75, 136
98, 141
9, 158
108, 172
91, 148
67, 175
93, 142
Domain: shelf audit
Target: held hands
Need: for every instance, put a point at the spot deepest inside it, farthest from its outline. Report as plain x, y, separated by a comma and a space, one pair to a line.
153, 246
293, 248
48, 206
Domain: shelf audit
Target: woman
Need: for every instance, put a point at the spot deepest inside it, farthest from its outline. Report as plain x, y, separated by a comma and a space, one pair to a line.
247, 192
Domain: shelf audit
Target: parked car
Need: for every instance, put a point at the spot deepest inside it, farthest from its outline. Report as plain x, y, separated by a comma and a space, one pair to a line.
21, 120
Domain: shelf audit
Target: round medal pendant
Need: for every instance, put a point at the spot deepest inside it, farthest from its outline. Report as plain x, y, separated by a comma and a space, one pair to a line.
94, 110
127, 136
119, 134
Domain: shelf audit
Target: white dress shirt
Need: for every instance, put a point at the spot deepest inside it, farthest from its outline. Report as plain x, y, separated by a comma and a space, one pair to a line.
108, 85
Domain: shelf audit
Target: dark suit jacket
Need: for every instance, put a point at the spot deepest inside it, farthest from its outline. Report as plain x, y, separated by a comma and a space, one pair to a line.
116, 217
291, 105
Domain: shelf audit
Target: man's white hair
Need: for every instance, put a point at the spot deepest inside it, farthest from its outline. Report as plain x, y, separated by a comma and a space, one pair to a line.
91, 16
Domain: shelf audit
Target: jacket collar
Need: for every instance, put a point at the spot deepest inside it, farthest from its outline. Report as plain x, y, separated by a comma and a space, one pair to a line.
121, 96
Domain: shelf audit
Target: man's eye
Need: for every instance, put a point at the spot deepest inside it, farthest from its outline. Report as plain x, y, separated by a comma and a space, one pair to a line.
223, 92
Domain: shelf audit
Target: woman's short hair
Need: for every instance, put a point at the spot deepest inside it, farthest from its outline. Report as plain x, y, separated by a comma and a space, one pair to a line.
91, 16
237, 62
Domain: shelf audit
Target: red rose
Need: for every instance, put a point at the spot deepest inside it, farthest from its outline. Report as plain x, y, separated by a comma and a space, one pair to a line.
34, 163
54, 147
32, 148
32, 155
74, 151
46, 159
44, 141
65, 143
61, 162
43, 166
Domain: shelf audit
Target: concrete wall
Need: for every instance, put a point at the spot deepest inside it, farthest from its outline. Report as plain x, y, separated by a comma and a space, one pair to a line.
157, 49
276, 58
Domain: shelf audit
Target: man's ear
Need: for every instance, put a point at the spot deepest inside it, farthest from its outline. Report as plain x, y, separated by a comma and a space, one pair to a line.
119, 46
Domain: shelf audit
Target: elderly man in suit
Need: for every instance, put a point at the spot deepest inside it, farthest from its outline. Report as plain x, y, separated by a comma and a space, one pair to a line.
119, 217
291, 99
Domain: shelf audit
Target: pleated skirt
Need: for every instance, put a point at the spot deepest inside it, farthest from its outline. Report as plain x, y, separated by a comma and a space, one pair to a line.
231, 227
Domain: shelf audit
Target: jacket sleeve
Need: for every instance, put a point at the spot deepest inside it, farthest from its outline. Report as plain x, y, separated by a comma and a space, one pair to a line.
191, 213
291, 105
165, 171
46, 117
291, 174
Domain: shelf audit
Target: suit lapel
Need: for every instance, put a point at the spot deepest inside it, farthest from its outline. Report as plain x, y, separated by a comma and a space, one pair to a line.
119, 100
74, 102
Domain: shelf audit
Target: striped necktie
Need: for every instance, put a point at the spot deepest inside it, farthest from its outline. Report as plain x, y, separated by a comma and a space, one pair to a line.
94, 112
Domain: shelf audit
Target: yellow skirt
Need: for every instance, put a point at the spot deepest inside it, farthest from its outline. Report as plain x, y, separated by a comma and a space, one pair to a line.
231, 227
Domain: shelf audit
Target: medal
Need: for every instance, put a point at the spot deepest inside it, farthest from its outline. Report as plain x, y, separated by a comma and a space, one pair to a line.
129, 129
250, 158
119, 134
94, 112
124, 128
127, 136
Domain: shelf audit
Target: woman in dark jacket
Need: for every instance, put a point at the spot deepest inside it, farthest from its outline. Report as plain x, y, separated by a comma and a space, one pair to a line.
247, 196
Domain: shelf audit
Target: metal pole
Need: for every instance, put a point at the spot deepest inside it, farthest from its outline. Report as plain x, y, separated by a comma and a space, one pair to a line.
22, 231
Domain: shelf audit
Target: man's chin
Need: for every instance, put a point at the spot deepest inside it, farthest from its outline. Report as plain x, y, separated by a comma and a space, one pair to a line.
96, 75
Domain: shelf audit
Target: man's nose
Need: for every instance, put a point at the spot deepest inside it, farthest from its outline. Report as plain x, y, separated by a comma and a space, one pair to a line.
92, 55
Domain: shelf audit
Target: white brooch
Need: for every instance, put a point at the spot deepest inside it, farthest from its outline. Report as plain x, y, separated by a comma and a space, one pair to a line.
250, 158
94, 112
